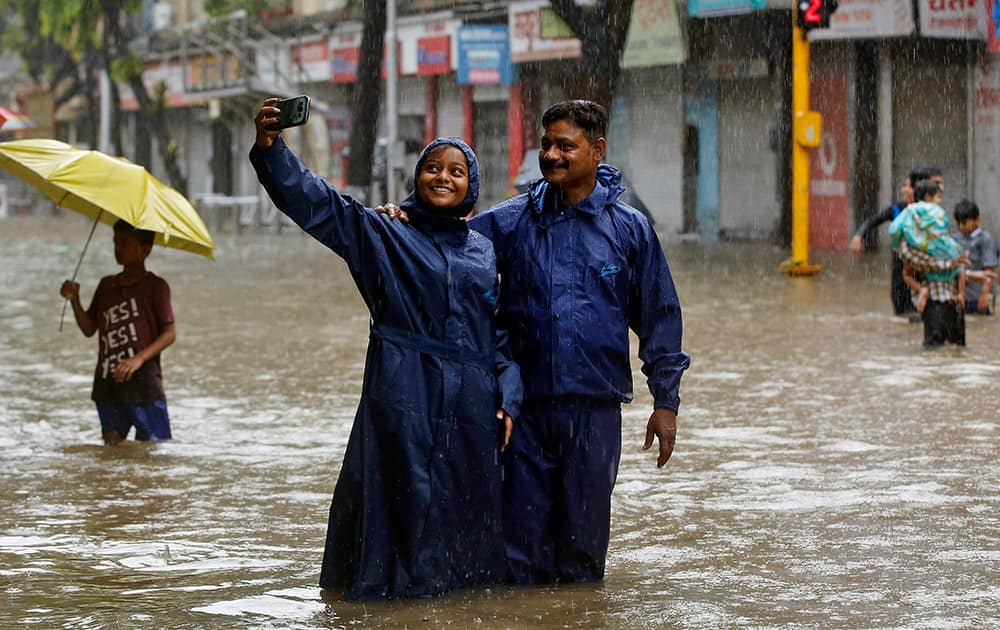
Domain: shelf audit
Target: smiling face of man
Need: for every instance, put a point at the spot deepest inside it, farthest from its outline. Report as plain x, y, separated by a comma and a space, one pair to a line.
567, 157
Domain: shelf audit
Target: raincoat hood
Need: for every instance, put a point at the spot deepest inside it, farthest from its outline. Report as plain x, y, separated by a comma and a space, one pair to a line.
412, 204
607, 176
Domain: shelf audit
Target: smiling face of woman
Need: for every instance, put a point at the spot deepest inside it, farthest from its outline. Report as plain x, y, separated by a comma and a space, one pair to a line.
443, 181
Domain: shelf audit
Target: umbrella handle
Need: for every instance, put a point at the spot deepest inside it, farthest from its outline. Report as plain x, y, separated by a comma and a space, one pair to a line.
78, 263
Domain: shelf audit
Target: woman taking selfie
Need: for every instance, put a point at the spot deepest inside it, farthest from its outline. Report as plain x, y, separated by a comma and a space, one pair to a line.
417, 507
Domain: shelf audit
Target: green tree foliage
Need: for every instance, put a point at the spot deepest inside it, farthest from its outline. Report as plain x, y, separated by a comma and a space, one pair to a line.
66, 44
55, 38
252, 7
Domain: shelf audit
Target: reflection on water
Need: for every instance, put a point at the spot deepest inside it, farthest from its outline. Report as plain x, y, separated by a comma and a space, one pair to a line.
828, 473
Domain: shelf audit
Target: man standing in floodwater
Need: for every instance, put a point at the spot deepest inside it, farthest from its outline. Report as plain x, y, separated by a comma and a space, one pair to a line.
578, 268
900, 291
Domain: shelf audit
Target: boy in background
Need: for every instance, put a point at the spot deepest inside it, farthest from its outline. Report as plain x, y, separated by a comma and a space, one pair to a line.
131, 311
901, 291
980, 290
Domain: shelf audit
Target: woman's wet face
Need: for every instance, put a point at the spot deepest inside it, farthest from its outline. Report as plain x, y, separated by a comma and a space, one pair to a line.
443, 181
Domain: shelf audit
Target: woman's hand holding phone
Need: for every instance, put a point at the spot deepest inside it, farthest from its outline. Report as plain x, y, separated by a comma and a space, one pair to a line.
264, 122
277, 114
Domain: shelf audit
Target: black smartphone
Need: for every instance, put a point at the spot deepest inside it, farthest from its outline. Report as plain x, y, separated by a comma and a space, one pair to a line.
294, 112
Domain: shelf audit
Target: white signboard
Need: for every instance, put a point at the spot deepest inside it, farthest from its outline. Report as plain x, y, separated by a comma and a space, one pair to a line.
953, 19
867, 19
654, 35
410, 34
311, 60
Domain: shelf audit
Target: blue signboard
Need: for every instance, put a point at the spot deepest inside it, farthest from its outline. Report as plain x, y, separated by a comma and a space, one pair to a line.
484, 55
712, 8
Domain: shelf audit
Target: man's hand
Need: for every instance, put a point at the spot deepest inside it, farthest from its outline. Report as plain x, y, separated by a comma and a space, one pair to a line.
393, 211
856, 246
508, 427
266, 117
663, 424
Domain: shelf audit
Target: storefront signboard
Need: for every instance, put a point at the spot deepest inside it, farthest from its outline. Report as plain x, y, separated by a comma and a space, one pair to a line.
484, 55
714, 8
424, 47
993, 22
433, 55
345, 50
953, 19
311, 61
428, 45
868, 19
527, 41
654, 35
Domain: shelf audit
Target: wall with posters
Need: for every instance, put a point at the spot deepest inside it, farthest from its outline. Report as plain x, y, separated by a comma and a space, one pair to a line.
830, 163
863, 19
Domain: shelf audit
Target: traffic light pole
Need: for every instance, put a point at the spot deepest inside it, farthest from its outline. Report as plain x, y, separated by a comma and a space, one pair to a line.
806, 129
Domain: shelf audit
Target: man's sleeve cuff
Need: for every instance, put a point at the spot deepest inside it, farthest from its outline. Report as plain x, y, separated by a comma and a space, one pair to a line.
669, 401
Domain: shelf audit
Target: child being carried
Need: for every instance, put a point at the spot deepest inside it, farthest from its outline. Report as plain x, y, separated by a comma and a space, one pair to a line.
925, 227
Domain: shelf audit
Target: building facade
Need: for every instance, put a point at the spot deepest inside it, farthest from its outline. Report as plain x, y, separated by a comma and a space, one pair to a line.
700, 121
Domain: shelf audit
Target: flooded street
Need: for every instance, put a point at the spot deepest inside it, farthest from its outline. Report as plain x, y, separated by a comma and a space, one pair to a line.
828, 471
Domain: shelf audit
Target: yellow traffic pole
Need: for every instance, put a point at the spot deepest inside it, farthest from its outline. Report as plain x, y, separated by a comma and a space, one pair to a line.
806, 130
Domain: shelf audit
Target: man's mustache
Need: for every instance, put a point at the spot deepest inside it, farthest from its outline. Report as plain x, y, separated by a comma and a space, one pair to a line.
548, 166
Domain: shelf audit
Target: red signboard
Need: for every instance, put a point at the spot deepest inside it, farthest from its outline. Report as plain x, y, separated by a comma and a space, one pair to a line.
993, 23
310, 53
829, 189
434, 55
345, 64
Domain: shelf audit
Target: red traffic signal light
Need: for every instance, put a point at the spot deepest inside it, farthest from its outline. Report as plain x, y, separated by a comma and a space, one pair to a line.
814, 13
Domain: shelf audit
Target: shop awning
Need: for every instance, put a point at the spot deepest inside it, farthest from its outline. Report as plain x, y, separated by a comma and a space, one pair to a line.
12, 120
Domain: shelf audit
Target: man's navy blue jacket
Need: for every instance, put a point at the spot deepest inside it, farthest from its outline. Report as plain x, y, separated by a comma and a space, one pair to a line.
574, 281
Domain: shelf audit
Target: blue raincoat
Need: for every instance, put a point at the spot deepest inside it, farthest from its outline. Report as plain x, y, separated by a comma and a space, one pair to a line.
417, 507
574, 281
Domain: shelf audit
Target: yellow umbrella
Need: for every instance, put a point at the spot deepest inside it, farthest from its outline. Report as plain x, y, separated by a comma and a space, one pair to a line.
106, 189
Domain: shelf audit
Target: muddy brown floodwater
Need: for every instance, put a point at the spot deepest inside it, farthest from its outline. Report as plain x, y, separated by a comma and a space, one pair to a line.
829, 473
